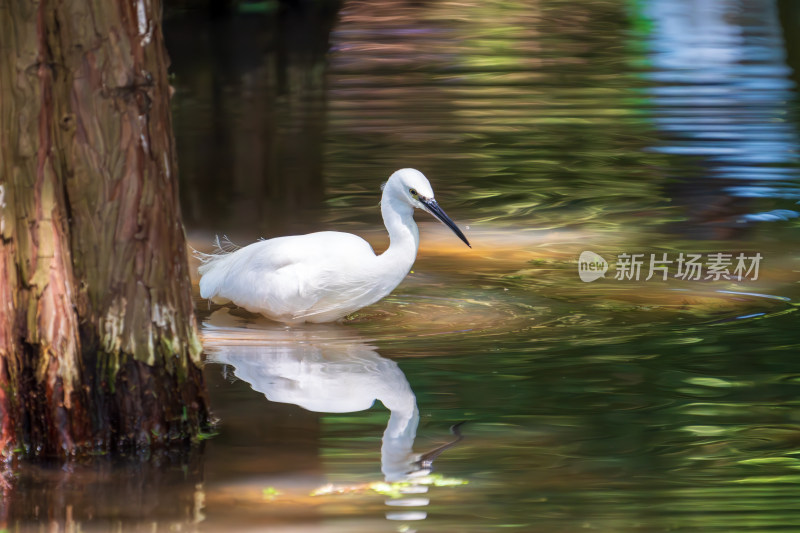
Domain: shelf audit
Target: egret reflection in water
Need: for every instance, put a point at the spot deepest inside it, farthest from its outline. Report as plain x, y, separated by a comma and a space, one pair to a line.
321, 369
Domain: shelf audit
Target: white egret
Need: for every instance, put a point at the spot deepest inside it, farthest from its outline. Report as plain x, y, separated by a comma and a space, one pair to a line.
324, 276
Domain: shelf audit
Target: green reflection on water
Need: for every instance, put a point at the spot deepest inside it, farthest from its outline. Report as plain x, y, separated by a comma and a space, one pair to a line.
611, 417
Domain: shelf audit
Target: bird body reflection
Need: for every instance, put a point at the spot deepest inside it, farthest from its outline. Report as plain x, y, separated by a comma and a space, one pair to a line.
321, 277
318, 372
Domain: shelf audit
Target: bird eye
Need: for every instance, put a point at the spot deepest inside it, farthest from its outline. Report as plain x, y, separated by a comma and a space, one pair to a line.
413, 192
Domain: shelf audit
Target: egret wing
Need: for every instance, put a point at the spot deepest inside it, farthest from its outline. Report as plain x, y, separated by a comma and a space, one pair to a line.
287, 277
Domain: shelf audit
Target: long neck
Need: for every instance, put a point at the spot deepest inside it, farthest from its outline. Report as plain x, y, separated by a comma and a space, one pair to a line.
397, 448
398, 217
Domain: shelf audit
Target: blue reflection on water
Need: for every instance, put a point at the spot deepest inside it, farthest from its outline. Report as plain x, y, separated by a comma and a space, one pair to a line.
720, 87
758, 295
750, 316
769, 216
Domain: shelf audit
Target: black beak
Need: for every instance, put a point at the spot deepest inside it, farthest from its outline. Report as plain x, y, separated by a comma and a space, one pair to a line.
433, 208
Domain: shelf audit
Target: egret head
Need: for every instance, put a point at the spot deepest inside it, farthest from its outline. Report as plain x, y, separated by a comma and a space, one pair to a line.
413, 187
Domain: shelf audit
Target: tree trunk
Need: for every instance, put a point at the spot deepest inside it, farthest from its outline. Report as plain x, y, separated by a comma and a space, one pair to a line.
98, 341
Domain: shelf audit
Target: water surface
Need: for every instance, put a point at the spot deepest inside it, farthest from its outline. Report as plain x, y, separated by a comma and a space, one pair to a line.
547, 128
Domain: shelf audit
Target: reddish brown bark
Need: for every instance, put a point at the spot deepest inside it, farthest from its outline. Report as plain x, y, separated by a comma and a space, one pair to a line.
98, 342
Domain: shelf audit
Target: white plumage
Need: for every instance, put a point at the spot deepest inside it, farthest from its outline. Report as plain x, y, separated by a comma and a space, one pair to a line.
324, 276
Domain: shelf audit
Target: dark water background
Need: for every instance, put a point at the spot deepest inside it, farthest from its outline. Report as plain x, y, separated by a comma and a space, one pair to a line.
547, 128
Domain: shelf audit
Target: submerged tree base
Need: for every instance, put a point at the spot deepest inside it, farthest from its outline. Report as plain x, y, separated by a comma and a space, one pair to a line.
133, 410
